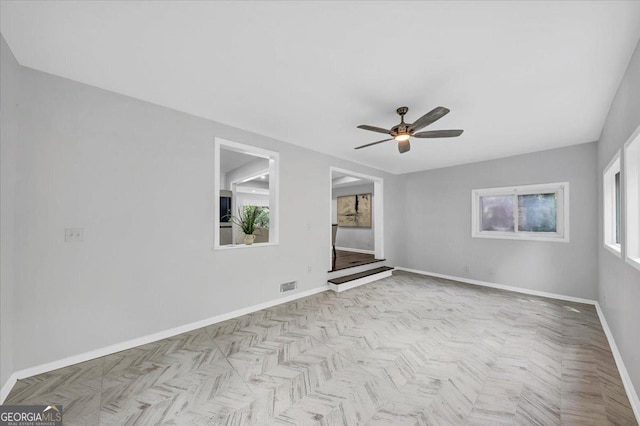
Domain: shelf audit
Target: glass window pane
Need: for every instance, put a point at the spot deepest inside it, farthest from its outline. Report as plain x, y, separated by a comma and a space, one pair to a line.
497, 213
537, 212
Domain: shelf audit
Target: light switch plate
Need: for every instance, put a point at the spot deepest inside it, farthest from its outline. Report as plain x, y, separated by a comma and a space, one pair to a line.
74, 235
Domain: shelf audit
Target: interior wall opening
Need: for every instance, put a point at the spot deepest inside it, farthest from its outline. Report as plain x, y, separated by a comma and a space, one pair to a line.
356, 219
246, 184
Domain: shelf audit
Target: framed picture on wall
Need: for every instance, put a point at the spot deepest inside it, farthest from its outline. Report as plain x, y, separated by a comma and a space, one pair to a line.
354, 211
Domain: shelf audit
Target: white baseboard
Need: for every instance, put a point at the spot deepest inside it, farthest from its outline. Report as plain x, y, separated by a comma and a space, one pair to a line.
624, 374
6, 388
360, 281
355, 250
501, 287
107, 350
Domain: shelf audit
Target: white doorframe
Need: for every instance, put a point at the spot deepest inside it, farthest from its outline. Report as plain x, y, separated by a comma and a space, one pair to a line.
378, 210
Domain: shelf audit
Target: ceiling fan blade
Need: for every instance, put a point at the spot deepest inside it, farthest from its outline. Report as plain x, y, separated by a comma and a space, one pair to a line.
373, 143
404, 146
430, 117
374, 129
438, 134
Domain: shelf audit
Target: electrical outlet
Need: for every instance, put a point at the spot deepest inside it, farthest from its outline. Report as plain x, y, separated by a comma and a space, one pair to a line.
308, 268
74, 235
288, 286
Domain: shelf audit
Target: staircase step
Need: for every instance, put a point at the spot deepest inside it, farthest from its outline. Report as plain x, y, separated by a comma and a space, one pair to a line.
357, 263
355, 269
350, 281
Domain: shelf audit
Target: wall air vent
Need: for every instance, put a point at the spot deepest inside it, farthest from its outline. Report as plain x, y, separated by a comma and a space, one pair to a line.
288, 286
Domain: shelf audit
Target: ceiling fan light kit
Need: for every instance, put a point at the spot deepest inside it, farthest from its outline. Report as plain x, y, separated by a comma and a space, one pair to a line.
404, 131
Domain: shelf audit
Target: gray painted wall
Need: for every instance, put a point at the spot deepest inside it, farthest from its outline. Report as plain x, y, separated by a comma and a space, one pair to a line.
139, 178
437, 217
356, 238
619, 282
9, 92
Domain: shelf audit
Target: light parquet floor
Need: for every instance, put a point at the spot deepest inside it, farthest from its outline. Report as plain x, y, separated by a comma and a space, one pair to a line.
405, 350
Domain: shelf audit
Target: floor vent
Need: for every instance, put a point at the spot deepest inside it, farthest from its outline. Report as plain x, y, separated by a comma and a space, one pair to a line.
287, 286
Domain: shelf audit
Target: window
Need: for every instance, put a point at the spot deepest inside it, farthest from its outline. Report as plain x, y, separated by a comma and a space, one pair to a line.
245, 182
617, 206
632, 198
530, 212
262, 218
612, 206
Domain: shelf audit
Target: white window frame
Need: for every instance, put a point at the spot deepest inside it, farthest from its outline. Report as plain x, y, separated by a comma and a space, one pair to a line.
631, 199
274, 193
562, 212
609, 205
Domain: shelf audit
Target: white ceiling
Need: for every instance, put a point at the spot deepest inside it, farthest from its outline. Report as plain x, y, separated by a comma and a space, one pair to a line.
517, 76
342, 180
231, 160
258, 182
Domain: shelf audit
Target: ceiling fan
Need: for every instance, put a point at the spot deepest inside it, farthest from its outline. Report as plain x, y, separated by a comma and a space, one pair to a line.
403, 131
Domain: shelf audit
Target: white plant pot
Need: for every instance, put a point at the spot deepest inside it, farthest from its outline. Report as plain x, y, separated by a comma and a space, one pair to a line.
248, 239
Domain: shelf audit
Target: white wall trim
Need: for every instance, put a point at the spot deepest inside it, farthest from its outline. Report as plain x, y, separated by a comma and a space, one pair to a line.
633, 262
355, 250
630, 199
107, 350
624, 374
616, 249
501, 286
622, 370
6, 388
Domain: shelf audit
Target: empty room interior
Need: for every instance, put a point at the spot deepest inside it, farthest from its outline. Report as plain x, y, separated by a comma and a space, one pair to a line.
320, 213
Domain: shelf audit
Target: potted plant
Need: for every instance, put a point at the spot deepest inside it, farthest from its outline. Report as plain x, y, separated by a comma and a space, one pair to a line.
247, 221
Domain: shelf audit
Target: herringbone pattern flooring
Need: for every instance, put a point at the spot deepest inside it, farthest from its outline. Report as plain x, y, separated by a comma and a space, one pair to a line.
406, 350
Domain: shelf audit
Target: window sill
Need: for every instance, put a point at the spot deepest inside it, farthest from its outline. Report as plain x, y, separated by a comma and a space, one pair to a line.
615, 249
634, 262
505, 236
245, 246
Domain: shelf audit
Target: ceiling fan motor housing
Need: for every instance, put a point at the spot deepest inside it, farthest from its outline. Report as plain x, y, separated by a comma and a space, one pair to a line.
400, 129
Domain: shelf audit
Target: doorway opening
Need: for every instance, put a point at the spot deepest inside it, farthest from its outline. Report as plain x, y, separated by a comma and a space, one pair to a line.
357, 226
